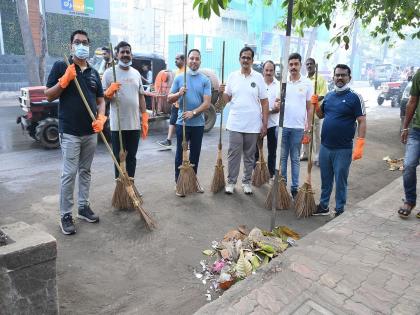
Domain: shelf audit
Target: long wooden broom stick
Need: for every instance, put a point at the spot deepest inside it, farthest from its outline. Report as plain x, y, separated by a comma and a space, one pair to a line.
218, 181
282, 97
150, 223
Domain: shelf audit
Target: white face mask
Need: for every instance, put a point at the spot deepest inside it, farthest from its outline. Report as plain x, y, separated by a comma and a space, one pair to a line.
341, 89
81, 51
124, 64
193, 72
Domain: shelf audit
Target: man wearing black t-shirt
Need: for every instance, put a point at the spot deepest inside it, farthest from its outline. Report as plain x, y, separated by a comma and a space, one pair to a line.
77, 131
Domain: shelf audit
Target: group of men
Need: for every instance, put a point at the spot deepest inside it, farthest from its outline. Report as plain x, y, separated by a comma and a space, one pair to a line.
254, 113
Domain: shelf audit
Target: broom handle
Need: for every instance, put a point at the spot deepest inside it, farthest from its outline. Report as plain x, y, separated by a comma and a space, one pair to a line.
117, 102
117, 165
184, 140
311, 143
221, 96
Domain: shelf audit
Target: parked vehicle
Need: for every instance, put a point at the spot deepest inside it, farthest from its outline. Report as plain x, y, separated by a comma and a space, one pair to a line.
391, 91
404, 100
40, 117
384, 73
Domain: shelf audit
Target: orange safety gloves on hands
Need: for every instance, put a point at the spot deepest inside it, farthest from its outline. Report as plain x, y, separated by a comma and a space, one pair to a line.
98, 123
358, 148
144, 125
68, 76
306, 139
315, 101
110, 91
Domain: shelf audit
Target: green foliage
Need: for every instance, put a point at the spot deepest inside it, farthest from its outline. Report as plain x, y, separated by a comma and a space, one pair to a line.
12, 37
389, 16
60, 27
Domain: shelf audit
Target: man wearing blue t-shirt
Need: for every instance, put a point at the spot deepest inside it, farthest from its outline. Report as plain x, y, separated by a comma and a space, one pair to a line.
341, 109
197, 101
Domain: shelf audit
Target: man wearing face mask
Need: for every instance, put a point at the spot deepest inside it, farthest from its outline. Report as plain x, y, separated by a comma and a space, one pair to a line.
77, 131
341, 109
197, 101
128, 91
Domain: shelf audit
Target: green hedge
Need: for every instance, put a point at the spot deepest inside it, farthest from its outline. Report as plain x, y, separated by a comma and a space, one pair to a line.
12, 37
60, 27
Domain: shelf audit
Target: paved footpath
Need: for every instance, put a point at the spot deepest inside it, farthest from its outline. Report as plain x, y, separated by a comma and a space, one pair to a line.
367, 261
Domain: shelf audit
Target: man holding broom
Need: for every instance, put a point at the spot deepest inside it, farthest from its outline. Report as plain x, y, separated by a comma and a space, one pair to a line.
131, 103
197, 101
247, 93
77, 131
341, 109
297, 116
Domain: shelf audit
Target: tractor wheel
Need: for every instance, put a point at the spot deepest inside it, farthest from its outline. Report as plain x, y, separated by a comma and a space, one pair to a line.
47, 133
209, 118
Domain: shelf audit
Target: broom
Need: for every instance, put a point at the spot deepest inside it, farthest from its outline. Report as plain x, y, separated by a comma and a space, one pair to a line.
260, 175
187, 182
120, 199
280, 198
218, 182
305, 202
129, 186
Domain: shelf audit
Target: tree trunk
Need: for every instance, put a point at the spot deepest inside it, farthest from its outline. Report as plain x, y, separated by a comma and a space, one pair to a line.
28, 43
44, 50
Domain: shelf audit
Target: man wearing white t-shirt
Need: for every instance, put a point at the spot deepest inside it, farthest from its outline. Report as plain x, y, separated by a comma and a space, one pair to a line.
246, 91
297, 114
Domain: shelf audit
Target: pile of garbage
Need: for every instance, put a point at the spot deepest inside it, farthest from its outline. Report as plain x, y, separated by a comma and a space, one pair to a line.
394, 164
239, 255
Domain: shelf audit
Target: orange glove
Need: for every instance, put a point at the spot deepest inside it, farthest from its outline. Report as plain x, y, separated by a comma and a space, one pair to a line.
315, 101
98, 123
68, 76
110, 91
358, 148
144, 125
306, 139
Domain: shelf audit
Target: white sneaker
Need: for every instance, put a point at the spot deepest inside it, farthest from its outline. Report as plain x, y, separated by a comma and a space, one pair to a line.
247, 189
200, 189
229, 189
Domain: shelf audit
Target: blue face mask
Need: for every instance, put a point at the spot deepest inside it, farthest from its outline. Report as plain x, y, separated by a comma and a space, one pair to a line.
81, 51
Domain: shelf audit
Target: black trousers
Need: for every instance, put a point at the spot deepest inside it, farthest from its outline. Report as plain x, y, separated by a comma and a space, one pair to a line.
130, 139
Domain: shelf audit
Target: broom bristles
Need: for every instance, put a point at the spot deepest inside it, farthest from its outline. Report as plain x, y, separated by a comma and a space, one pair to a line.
218, 182
187, 182
283, 200
261, 175
305, 202
121, 199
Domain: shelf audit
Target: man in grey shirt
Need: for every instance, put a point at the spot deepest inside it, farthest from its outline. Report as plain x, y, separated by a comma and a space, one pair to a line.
128, 90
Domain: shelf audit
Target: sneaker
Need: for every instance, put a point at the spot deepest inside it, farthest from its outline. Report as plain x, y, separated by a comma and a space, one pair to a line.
321, 210
271, 181
178, 194
200, 189
165, 143
247, 189
294, 193
86, 213
336, 213
229, 189
67, 225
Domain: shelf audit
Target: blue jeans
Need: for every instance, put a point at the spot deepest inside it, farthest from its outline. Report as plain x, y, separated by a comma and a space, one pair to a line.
291, 142
193, 135
334, 164
411, 161
271, 148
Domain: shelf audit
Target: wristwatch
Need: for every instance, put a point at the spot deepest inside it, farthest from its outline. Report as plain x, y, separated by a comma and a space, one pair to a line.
194, 112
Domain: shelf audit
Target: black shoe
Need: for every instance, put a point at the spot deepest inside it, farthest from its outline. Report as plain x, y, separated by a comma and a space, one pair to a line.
337, 212
294, 193
321, 211
67, 225
165, 143
87, 214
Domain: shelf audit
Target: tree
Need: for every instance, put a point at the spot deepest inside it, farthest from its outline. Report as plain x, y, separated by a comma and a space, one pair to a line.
389, 16
28, 43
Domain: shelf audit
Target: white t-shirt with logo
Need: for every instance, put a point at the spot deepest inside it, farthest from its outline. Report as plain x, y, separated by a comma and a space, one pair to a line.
297, 93
273, 90
245, 107
128, 98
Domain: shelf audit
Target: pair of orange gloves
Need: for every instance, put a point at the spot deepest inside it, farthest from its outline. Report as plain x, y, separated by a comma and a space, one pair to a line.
64, 81
110, 92
360, 142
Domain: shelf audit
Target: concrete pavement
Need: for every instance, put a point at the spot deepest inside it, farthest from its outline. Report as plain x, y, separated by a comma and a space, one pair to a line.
364, 262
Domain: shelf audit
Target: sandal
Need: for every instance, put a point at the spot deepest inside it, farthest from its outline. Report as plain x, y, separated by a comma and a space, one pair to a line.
405, 211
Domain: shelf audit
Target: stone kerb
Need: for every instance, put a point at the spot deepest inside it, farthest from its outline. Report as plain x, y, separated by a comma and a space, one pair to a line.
28, 271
